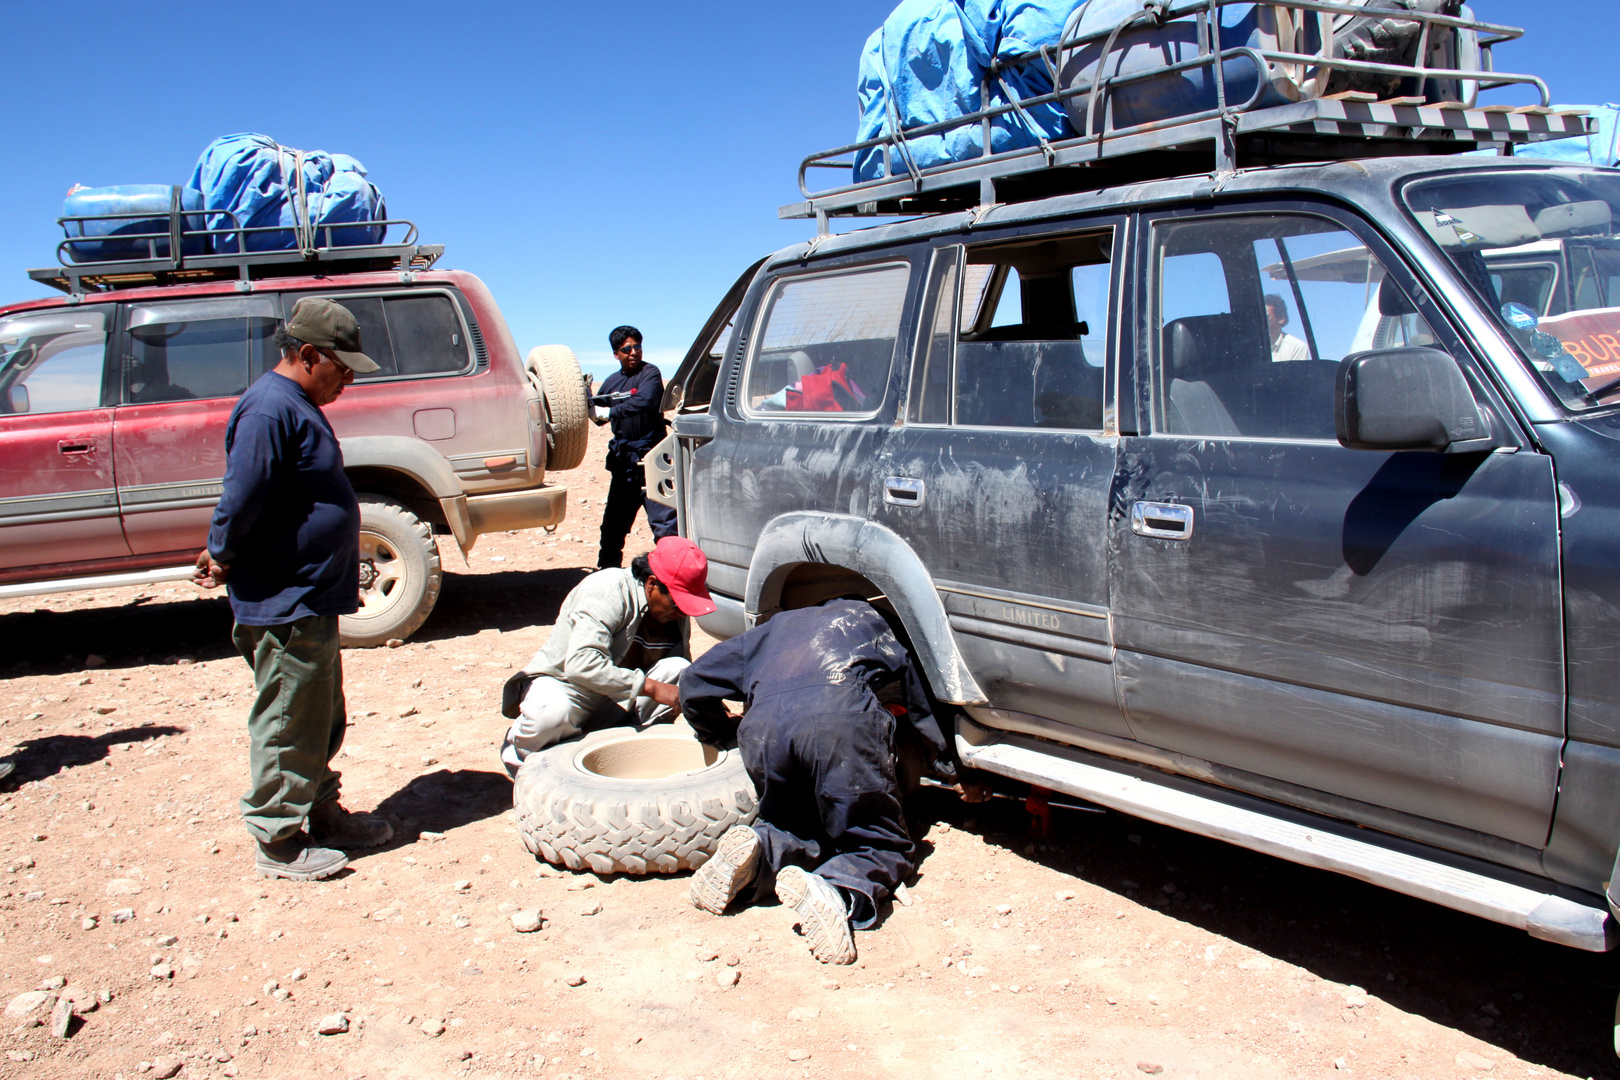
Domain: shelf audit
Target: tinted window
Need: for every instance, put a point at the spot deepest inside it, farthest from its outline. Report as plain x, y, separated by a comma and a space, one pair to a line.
52, 362
426, 334
1253, 316
205, 349
374, 338
827, 342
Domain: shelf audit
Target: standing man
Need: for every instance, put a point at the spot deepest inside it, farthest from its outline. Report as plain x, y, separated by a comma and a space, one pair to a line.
285, 540
620, 641
1284, 346
633, 396
827, 692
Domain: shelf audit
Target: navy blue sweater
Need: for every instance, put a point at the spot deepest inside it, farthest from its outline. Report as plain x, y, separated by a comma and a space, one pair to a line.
288, 523
637, 423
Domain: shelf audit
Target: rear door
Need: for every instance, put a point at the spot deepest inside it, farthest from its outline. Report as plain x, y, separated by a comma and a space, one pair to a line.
999, 476
183, 365
1385, 627
58, 500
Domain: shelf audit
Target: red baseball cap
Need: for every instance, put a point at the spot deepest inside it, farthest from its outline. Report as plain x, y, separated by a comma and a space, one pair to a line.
684, 570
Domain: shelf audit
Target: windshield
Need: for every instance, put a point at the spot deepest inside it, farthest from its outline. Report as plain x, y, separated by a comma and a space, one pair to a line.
1543, 251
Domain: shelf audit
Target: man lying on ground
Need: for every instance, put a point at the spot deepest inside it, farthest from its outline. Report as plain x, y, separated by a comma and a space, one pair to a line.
820, 746
620, 641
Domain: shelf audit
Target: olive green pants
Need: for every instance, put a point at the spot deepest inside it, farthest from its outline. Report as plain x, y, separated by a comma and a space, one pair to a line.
295, 727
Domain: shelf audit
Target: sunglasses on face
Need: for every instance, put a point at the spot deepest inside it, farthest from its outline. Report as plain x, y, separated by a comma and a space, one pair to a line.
628, 348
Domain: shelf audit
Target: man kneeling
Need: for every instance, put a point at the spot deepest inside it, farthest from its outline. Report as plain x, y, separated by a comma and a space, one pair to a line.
620, 641
819, 744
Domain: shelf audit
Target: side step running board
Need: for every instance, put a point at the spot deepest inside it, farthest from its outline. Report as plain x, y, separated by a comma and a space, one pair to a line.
98, 581
1543, 914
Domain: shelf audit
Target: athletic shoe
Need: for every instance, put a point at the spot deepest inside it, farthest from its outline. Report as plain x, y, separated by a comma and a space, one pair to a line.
823, 918
734, 863
333, 826
296, 859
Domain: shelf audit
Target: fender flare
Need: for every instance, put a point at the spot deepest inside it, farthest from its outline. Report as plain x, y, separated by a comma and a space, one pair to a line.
423, 465
880, 555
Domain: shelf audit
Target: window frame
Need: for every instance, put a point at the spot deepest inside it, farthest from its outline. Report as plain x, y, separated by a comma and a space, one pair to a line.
757, 323
1149, 368
109, 382
1120, 229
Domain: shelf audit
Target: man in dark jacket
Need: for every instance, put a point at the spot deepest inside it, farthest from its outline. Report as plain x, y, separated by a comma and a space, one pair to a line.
819, 744
633, 397
285, 540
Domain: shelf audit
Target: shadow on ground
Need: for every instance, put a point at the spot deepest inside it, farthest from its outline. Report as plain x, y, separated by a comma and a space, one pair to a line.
444, 800
506, 600
36, 759
1554, 1005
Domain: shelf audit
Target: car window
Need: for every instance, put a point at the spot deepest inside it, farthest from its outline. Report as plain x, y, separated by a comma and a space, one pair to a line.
1253, 315
183, 351
826, 343
1032, 353
426, 333
1489, 223
52, 362
407, 334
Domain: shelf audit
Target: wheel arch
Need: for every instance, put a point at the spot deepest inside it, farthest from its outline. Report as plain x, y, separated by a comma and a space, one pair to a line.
806, 557
414, 474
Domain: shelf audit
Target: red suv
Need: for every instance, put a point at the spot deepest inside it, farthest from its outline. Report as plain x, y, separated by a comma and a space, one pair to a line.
114, 397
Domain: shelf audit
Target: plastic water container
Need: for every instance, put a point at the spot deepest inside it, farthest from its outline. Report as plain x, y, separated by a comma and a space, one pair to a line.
108, 238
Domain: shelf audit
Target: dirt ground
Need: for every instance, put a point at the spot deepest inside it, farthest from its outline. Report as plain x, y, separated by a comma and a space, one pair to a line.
1112, 948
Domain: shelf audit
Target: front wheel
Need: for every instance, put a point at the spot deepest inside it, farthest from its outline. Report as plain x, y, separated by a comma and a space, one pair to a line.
399, 575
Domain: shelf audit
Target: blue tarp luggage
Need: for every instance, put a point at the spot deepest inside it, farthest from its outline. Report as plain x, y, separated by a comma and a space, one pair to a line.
259, 183
928, 62
109, 238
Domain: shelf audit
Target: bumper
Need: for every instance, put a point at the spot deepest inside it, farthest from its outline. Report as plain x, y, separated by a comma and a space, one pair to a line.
470, 516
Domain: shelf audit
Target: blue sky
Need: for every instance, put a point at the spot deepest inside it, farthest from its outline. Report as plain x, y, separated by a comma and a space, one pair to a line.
593, 163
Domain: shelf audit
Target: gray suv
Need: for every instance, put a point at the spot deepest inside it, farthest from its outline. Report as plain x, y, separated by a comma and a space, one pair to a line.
1277, 504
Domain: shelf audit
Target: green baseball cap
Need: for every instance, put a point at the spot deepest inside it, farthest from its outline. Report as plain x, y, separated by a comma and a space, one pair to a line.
329, 325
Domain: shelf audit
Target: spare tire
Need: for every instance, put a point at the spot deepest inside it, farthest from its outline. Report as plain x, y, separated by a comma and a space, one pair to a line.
562, 389
621, 801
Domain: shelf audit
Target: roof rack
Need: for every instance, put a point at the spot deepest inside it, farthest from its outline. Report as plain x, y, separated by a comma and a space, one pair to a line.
1351, 124
166, 261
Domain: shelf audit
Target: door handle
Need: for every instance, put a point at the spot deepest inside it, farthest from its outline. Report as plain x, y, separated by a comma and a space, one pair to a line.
902, 491
1164, 521
66, 447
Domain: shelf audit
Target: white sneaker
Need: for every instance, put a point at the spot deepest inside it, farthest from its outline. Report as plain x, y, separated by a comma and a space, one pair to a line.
734, 863
823, 918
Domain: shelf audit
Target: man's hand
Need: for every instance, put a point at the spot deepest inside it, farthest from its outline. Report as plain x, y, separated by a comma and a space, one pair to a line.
662, 692
210, 574
972, 791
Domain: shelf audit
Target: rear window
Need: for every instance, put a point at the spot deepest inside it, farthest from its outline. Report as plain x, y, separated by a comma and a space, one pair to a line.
826, 342
408, 334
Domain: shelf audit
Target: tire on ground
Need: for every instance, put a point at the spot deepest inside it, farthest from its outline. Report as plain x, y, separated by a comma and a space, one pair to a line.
563, 387
571, 813
399, 575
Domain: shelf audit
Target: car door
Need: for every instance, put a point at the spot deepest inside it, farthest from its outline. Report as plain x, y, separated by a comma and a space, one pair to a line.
999, 475
58, 499
803, 410
1384, 627
184, 364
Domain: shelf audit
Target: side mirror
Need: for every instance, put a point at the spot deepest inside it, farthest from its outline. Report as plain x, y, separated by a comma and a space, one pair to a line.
19, 399
1407, 399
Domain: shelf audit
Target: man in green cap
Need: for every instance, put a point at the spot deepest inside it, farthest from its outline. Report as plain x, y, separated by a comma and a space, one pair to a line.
285, 541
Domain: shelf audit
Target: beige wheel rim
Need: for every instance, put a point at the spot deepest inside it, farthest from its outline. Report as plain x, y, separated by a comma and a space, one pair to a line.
384, 575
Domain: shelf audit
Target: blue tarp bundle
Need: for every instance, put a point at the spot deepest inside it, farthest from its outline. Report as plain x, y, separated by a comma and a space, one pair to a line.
1602, 147
263, 183
927, 63
242, 180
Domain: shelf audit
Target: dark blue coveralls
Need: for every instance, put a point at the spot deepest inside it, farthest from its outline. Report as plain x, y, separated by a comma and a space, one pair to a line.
819, 746
638, 426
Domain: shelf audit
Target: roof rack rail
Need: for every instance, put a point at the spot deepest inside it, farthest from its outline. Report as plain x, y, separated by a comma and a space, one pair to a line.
1349, 124
166, 260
